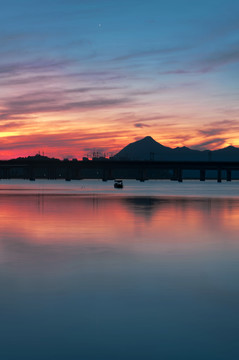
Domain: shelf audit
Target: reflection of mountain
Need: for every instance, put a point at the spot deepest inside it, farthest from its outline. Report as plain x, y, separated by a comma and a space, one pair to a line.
148, 207
149, 149
144, 207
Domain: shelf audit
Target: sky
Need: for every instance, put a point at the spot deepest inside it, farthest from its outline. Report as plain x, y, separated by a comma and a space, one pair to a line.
84, 76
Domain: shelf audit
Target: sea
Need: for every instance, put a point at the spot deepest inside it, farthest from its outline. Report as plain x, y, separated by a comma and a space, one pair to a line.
89, 272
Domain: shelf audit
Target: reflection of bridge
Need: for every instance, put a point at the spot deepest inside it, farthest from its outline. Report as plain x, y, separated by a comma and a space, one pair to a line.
112, 169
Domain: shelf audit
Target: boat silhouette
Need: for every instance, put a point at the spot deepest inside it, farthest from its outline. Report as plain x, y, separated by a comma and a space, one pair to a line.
118, 184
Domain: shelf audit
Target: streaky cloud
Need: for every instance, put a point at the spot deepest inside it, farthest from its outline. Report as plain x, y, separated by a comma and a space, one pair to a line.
56, 102
59, 140
36, 65
229, 55
151, 52
141, 125
214, 142
12, 125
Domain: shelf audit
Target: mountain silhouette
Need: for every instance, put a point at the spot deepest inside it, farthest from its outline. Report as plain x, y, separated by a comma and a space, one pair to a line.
149, 149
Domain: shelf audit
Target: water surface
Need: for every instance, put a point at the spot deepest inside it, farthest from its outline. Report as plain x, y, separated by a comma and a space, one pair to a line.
91, 273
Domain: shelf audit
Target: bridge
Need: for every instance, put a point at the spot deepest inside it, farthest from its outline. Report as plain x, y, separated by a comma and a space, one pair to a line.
114, 169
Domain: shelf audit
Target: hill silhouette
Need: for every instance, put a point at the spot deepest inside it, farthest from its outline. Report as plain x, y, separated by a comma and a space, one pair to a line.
149, 149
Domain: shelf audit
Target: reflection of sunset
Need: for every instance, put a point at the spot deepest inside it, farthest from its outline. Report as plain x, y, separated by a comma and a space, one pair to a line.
75, 220
62, 219
230, 217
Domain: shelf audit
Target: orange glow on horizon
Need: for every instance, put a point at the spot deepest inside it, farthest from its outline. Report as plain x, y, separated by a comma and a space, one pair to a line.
75, 134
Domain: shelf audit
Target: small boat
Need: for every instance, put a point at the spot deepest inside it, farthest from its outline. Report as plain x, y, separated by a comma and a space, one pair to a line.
118, 184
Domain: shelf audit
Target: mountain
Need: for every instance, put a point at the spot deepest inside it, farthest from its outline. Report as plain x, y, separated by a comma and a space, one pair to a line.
149, 149
228, 153
144, 149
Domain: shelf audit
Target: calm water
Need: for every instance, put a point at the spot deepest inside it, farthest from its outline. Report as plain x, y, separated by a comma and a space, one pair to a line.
92, 273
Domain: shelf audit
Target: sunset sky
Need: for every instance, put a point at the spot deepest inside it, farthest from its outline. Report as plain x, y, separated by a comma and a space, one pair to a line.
78, 76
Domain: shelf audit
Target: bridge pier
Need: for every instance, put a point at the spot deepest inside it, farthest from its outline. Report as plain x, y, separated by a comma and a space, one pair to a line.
8, 173
177, 175
229, 175
142, 175
219, 175
180, 175
68, 176
104, 177
202, 175
4, 173
174, 175
107, 175
31, 175
51, 173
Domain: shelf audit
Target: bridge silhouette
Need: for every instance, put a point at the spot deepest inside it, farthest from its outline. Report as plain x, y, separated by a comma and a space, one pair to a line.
114, 169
